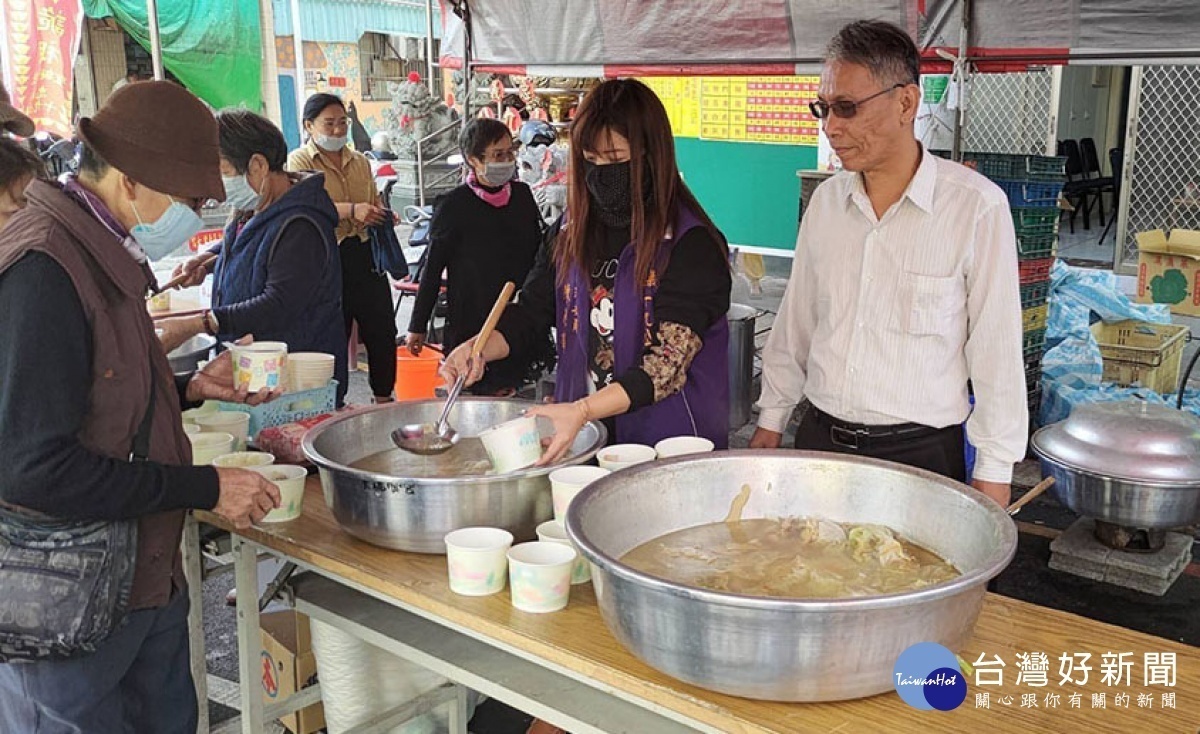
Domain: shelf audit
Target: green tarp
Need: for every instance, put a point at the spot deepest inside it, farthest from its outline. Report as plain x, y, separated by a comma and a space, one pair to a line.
213, 46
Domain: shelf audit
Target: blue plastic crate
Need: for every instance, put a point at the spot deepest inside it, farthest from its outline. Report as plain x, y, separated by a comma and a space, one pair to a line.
1028, 193
288, 408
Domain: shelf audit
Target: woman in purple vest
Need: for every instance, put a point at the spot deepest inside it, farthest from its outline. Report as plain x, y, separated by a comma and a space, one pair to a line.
637, 284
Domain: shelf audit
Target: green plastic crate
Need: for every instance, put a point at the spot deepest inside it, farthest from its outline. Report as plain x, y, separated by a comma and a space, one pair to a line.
1036, 246
1033, 221
1035, 294
1035, 341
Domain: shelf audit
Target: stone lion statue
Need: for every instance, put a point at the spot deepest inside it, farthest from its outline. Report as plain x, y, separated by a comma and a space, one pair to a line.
416, 114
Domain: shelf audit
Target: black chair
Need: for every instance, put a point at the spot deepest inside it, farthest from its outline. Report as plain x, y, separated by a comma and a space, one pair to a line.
1116, 159
1091, 165
1078, 190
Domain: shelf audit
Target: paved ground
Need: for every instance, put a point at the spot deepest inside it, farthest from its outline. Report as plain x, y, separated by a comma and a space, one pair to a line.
1028, 577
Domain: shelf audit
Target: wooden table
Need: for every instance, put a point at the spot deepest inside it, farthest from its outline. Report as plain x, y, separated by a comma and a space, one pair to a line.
402, 602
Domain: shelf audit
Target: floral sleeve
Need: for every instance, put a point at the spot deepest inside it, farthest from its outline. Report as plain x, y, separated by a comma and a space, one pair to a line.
668, 358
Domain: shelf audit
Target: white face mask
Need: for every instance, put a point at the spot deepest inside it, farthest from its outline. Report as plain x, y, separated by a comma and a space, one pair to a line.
331, 143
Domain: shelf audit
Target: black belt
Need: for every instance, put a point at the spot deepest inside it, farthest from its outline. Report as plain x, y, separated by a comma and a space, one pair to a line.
860, 436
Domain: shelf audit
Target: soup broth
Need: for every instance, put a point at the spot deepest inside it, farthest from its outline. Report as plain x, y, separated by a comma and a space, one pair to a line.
467, 458
791, 559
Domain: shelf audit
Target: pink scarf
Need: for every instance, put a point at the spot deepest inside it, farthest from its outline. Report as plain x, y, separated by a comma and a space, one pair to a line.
498, 199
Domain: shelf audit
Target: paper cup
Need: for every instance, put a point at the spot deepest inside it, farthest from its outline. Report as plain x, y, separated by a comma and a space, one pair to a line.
160, 302
259, 366
190, 428
682, 446
290, 480
190, 416
625, 455
234, 422
513, 445
244, 460
477, 560
553, 531
539, 575
208, 446
569, 481
308, 370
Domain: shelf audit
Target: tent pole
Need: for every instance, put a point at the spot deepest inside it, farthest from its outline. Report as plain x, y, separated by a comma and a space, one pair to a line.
298, 51
429, 45
466, 61
270, 72
960, 69
155, 41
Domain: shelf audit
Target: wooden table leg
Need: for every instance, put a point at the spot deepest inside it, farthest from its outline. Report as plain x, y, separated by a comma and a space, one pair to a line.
193, 570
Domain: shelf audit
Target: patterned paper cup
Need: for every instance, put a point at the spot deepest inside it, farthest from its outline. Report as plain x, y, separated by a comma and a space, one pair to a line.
552, 531
477, 560
259, 366
569, 481
539, 575
290, 480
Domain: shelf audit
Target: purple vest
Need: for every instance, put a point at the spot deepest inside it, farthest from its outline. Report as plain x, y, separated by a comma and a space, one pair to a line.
701, 408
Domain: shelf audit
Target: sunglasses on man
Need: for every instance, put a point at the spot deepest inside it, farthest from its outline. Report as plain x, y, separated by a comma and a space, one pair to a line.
846, 109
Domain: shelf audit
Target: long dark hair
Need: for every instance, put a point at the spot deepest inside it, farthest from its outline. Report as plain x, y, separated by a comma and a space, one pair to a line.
628, 107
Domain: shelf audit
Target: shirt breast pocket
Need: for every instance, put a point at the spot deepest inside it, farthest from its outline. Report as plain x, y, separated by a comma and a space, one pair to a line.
933, 304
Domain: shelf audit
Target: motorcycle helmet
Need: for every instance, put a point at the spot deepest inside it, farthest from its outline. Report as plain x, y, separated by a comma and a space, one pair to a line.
537, 132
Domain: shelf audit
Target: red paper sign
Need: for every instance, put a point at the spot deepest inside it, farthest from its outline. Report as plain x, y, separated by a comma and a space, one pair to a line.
337, 81
38, 43
205, 237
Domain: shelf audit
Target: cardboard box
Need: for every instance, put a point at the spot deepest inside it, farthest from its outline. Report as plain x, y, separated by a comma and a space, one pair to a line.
1169, 269
288, 662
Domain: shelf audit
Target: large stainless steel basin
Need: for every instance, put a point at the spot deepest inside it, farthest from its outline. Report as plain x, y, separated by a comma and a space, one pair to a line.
779, 649
415, 513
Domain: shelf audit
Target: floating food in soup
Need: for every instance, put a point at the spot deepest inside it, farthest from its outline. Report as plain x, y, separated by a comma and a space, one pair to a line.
791, 558
466, 459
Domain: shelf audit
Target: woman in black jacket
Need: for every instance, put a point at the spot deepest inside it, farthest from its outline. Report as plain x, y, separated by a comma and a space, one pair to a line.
484, 233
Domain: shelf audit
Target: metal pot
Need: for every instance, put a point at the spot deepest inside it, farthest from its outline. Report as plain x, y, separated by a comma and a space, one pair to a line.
1128, 463
741, 362
188, 356
414, 514
782, 649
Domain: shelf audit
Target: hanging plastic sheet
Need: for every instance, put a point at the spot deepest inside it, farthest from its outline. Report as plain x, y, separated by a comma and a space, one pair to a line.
213, 46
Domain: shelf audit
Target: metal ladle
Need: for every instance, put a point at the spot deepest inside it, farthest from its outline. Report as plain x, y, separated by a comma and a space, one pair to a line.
430, 439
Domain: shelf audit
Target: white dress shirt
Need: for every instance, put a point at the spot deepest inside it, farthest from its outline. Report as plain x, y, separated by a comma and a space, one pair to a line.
885, 319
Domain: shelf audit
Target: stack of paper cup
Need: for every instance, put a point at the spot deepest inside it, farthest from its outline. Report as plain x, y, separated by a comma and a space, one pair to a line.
290, 481
513, 445
569, 481
477, 560
208, 446
259, 366
308, 370
234, 422
539, 575
624, 455
682, 446
552, 531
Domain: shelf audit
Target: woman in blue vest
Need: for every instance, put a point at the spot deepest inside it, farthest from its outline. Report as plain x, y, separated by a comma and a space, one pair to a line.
277, 274
637, 284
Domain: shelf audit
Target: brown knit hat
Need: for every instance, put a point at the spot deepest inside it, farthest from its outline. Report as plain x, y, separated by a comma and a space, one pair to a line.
160, 135
12, 119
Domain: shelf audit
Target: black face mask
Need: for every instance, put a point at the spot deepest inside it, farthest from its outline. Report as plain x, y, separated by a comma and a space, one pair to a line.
611, 190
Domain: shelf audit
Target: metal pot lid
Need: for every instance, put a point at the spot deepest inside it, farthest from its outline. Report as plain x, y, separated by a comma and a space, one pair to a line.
1129, 440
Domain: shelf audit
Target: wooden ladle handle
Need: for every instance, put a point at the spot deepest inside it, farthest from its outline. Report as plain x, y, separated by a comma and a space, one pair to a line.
1031, 495
506, 294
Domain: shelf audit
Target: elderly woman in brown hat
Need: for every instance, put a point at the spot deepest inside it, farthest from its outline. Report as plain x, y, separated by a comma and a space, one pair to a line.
90, 430
18, 163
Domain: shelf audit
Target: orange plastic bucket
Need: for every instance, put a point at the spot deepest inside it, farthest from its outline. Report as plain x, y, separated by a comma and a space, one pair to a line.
417, 375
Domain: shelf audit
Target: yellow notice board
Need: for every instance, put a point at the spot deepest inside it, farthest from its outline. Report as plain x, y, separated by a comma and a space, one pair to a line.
769, 109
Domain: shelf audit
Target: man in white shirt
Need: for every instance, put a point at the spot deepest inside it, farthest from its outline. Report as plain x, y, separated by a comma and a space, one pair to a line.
904, 288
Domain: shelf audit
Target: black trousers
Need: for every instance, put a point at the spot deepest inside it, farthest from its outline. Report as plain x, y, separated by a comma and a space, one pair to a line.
367, 299
937, 450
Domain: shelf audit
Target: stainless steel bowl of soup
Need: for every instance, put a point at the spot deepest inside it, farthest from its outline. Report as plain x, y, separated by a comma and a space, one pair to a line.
690, 562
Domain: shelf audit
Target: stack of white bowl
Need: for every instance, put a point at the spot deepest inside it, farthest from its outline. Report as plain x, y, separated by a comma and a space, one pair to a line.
308, 370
